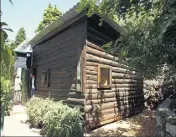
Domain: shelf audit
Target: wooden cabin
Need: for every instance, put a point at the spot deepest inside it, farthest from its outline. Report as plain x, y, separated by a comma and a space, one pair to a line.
72, 66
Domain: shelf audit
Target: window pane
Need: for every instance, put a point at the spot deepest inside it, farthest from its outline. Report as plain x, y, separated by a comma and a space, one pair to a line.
78, 86
104, 76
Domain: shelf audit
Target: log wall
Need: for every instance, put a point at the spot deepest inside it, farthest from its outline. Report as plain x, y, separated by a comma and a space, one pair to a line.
61, 55
124, 99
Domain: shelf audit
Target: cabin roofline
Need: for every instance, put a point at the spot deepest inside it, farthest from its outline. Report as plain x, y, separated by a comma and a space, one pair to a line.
67, 20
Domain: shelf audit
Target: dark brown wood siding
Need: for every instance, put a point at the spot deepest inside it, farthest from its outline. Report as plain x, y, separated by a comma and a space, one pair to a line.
60, 55
124, 99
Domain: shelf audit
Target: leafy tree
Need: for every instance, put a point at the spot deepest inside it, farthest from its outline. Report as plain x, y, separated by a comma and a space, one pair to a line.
6, 52
20, 37
51, 13
149, 41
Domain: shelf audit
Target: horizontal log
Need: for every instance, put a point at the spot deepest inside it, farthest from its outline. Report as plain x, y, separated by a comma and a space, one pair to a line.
94, 86
97, 108
110, 110
89, 72
122, 70
125, 81
108, 116
93, 66
93, 81
101, 54
94, 46
76, 99
115, 75
106, 122
90, 108
125, 76
123, 99
91, 77
99, 101
111, 95
114, 81
104, 61
109, 121
92, 91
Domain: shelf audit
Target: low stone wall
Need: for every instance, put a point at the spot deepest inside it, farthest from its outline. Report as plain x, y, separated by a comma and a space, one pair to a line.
165, 120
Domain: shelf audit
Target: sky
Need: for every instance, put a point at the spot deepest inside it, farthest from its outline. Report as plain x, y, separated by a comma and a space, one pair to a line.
28, 14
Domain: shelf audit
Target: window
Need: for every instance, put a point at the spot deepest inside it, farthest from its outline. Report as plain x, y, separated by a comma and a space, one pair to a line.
44, 77
78, 77
104, 77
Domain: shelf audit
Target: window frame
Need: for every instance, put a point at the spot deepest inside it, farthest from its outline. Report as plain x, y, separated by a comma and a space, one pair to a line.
44, 77
109, 86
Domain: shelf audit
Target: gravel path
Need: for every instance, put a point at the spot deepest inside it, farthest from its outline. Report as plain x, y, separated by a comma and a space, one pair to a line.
13, 125
141, 125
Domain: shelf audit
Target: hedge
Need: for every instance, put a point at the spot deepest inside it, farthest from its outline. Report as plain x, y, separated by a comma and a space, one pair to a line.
55, 118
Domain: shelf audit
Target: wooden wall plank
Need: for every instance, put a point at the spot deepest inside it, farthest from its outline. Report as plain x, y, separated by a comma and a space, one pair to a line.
61, 55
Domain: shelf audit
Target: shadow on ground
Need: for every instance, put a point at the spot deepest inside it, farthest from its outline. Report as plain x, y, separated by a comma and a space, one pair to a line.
139, 125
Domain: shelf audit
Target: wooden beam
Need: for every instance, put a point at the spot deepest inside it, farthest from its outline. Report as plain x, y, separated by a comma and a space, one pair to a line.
96, 39
105, 61
101, 54
90, 44
94, 86
92, 30
84, 52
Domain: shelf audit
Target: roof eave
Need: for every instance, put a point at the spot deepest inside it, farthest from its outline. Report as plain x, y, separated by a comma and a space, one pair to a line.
65, 20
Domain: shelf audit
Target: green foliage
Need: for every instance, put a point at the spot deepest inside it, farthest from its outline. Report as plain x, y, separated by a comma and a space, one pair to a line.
6, 52
50, 14
36, 108
6, 60
23, 86
20, 37
63, 121
6, 94
149, 41
55, 118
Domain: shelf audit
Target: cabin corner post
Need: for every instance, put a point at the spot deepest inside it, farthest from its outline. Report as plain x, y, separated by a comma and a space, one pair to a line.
84, 68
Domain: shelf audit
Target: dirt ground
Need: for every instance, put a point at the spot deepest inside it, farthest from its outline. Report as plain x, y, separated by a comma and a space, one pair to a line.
141, 125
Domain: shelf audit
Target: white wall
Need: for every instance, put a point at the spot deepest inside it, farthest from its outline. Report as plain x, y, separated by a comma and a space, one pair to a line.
20, 62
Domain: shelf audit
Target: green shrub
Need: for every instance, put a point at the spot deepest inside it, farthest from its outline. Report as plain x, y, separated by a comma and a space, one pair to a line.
36, 108
63, 121
6, 94
58, 119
